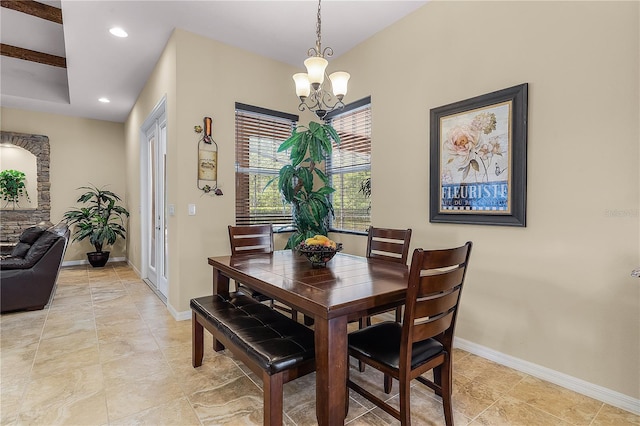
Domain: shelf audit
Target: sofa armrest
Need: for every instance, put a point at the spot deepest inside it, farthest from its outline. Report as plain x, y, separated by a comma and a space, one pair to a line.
10, 262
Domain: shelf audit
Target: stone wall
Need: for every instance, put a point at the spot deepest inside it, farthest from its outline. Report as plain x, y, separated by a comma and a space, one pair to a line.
12, 222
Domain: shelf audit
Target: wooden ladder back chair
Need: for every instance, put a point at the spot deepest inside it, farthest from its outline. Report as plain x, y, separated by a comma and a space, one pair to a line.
391, 245
424, 340
252, 239
388, 244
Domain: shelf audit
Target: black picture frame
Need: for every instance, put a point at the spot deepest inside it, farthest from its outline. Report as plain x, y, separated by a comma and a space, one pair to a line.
478, 159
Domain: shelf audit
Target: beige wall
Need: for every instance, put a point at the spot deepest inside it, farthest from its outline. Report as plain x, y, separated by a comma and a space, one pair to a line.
557, 293
201, 78
161, 84
83, 152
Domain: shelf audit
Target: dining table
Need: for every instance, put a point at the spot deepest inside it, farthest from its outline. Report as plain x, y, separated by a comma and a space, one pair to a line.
347, 288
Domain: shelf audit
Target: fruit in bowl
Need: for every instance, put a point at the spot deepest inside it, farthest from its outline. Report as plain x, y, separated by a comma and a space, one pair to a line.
319, 249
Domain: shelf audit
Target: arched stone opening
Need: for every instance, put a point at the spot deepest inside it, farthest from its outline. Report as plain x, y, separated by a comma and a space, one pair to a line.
14, 221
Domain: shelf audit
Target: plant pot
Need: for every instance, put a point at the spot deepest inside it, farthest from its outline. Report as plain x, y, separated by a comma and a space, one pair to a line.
98, 259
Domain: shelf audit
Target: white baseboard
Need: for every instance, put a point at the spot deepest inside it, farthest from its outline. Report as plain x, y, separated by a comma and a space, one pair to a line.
132, 266
591, 390
179, 316
86, 262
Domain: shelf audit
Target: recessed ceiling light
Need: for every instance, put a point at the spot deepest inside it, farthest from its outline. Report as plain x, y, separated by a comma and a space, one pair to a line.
104, 100
118, 32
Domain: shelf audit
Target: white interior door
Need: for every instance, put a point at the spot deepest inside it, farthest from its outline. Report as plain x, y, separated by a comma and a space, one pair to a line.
154, 235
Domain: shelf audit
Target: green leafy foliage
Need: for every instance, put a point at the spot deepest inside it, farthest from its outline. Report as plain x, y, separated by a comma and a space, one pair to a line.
12, 186
304, 185
102, 221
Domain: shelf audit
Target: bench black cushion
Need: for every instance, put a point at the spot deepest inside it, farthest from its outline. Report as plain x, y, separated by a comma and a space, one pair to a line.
274, 341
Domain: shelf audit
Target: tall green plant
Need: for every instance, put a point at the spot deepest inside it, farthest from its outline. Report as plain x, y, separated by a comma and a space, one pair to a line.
303, 184
12, 186
102, 221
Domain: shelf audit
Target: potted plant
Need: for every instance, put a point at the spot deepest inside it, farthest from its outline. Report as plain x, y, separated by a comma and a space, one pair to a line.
304, 185
12, 186
102, 221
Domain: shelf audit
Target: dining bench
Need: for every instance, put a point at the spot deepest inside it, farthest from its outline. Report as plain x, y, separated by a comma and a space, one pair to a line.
274, 346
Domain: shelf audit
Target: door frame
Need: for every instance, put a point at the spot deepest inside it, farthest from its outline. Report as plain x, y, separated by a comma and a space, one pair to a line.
153, 120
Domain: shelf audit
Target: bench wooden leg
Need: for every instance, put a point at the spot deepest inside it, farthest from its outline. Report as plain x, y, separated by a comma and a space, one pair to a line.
197, 341
272, 399
217, 346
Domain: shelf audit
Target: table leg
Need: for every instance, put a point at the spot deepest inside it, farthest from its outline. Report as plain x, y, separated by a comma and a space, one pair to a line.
220, 283
331, 370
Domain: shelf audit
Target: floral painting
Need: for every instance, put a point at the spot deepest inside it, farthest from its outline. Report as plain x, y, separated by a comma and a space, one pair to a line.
475, 160
478, 159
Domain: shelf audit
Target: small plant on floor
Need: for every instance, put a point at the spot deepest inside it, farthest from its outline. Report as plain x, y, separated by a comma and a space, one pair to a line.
102, 221
12, 187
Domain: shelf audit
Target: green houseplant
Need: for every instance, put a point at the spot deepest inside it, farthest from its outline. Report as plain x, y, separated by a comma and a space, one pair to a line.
303, 184
102, 221
12, 186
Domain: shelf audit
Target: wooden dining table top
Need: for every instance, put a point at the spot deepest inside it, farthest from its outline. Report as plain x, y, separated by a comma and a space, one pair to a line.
347, 285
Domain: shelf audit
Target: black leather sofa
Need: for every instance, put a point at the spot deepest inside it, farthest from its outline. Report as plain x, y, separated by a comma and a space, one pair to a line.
28, 275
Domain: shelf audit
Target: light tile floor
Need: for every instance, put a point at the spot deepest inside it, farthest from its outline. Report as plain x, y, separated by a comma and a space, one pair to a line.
107, 352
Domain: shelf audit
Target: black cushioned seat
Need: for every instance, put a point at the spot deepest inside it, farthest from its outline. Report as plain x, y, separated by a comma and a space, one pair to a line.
383, 344
274, 346
273, 340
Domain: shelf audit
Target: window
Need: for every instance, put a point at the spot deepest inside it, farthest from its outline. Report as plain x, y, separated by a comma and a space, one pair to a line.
259, 133
350, 166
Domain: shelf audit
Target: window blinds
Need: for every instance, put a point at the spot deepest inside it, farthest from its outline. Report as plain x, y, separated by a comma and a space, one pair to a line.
350, 166
259, 133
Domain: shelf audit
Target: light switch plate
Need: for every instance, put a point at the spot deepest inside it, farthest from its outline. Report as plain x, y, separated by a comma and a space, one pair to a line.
192, 209
172, 209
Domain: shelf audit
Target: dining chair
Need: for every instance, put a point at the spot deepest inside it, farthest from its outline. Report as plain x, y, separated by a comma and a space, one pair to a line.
424, 340
252, 239
389, 245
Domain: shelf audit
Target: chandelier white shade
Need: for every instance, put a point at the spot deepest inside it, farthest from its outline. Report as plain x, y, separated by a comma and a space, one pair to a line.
310, 86
339, 80
303, 87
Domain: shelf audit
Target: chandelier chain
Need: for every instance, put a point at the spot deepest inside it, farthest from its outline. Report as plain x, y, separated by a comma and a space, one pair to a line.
319, 31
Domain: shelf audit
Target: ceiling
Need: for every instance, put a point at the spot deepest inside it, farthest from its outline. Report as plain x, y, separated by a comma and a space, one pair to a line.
101, 65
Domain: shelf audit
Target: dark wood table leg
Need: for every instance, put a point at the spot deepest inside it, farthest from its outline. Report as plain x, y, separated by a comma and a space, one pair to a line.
331, 370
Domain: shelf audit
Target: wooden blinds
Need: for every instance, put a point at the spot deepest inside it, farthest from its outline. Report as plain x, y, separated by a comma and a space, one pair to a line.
350, 166
259, 133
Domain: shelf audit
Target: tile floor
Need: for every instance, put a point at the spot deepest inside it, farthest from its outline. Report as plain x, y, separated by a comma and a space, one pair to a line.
107, 352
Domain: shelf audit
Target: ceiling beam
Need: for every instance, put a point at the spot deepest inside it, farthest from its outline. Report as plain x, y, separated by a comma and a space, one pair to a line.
32, 55
30, 7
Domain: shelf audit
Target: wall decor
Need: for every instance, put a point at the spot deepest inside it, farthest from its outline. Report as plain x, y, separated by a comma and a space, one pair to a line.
479, 159
207, 159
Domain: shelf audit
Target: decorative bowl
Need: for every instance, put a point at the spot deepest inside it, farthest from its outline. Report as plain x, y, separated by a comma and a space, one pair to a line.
319, 255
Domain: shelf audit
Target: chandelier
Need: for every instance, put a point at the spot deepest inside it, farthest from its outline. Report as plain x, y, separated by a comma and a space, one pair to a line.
316, 95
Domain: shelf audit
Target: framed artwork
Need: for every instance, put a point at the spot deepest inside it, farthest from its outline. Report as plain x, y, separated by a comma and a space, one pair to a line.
479, 159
